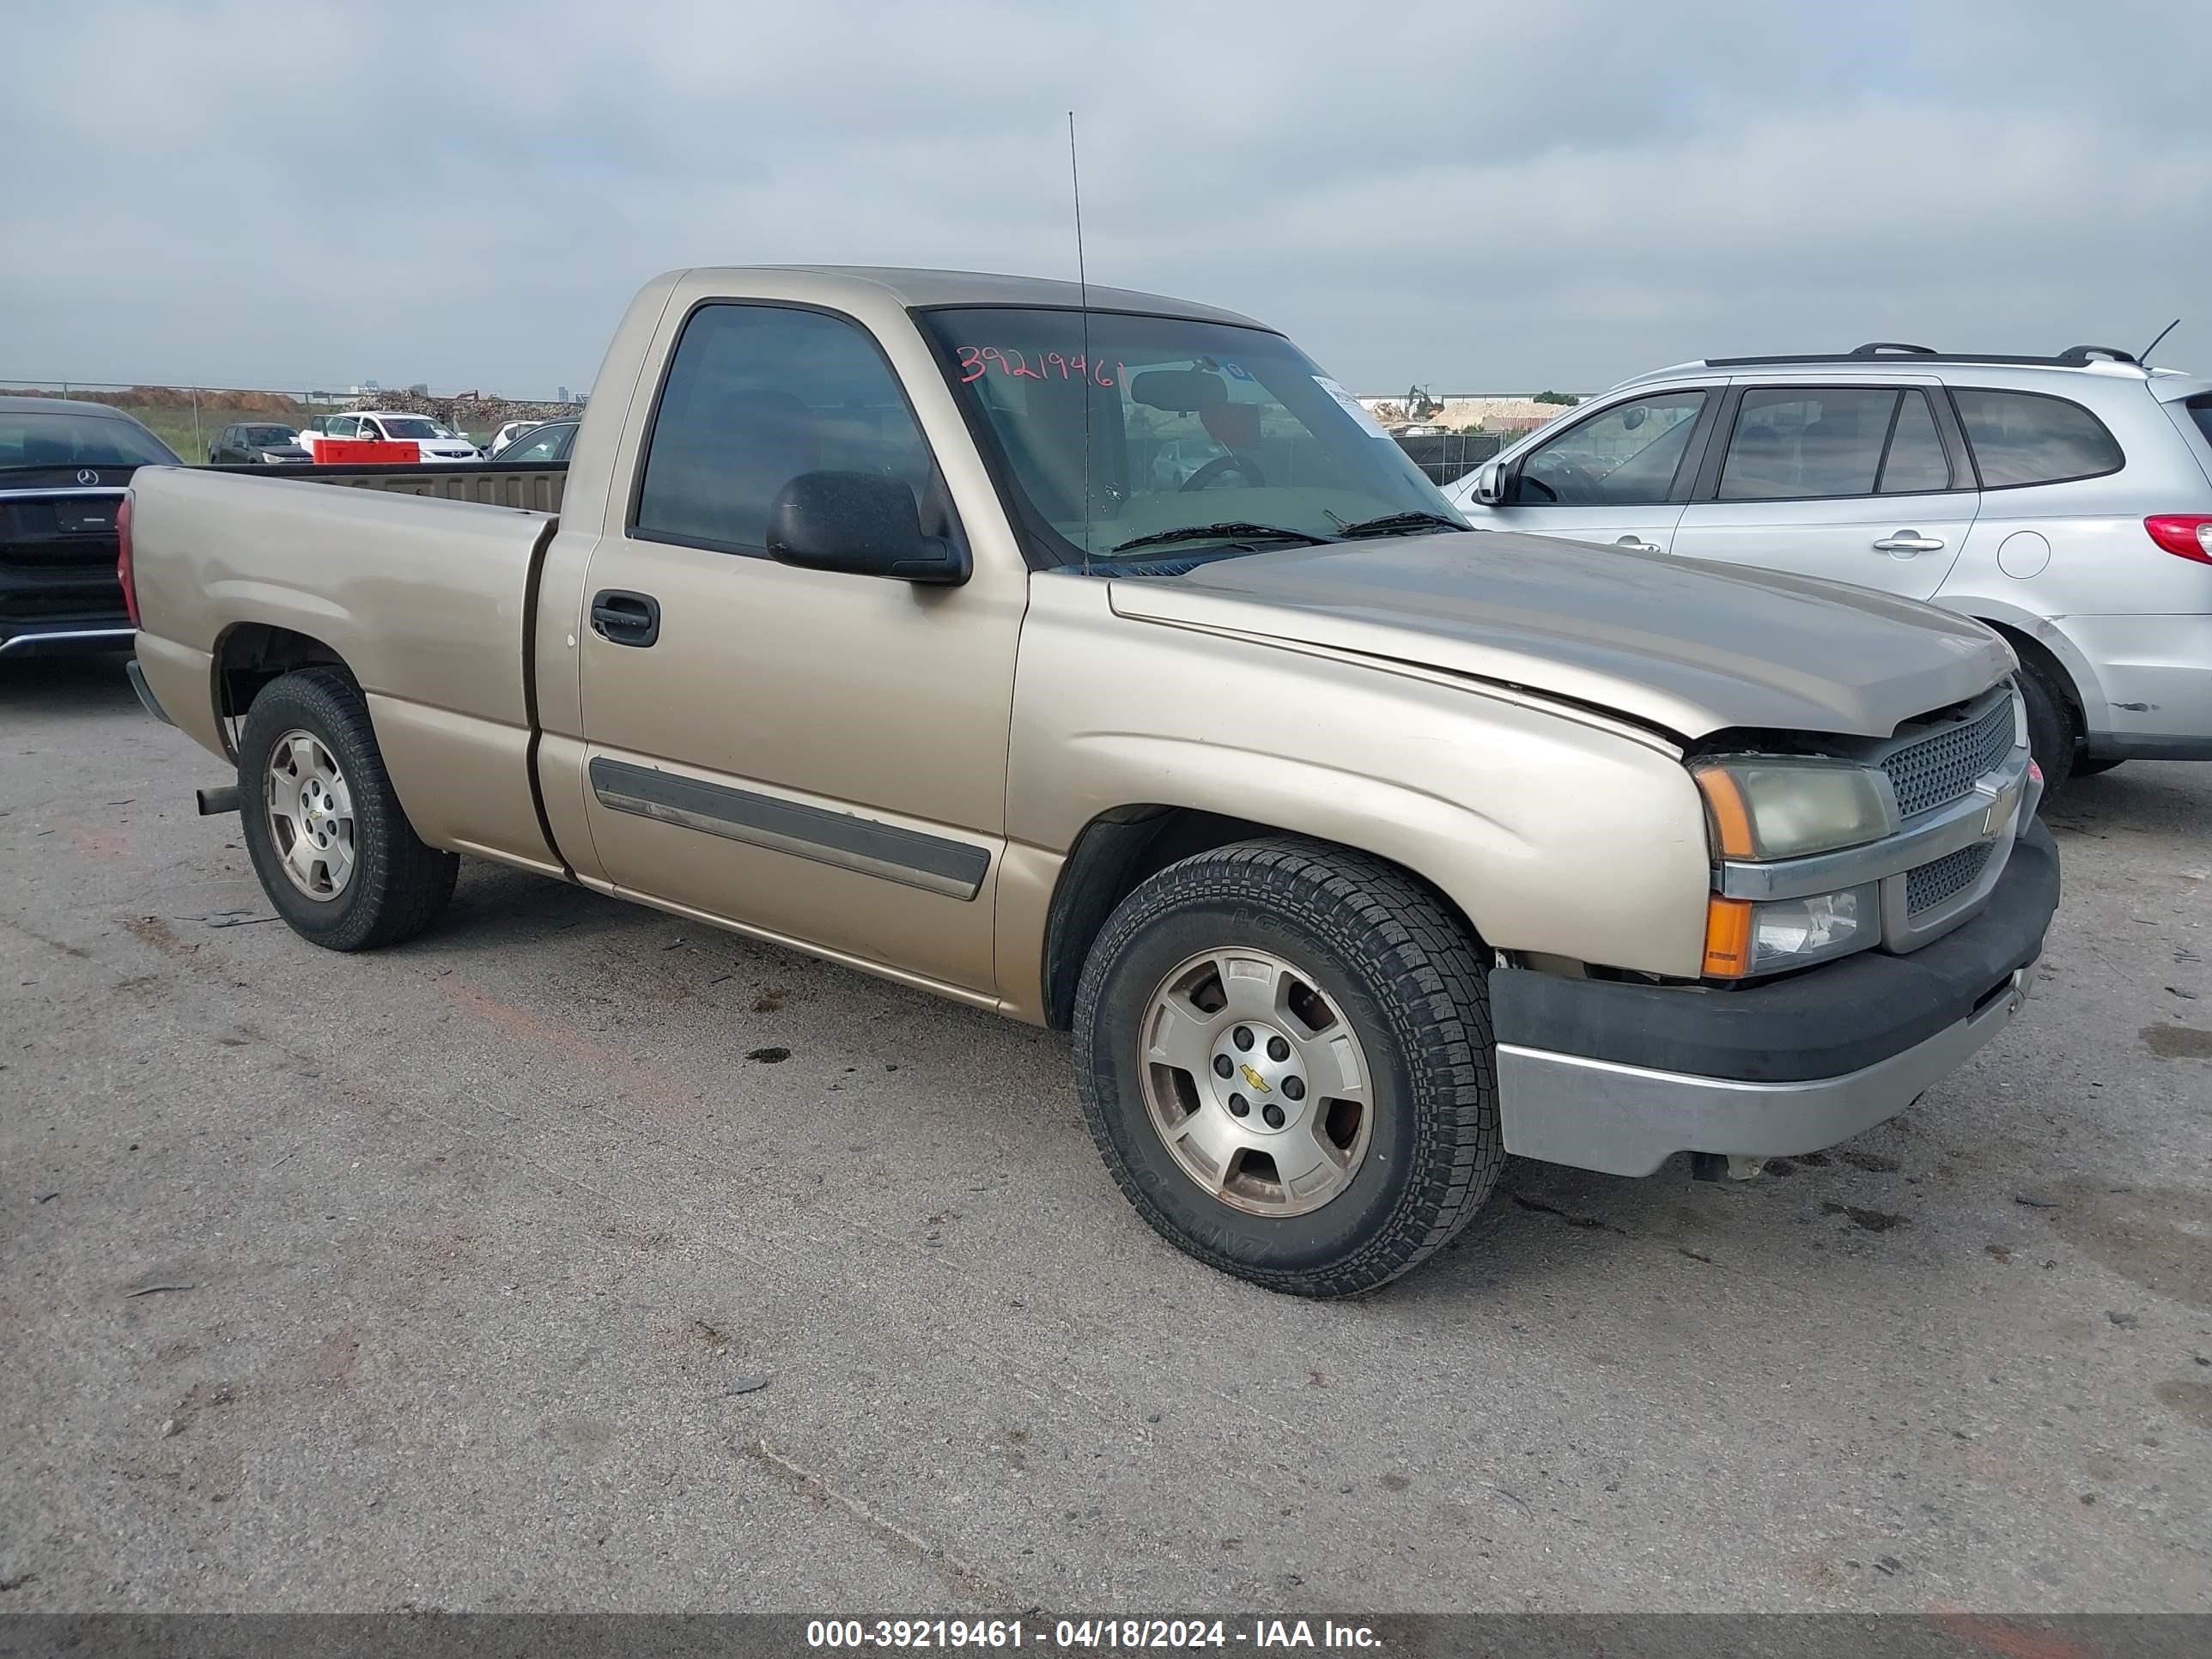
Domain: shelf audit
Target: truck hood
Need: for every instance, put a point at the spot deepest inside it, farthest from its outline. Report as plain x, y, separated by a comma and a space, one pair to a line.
1681, 644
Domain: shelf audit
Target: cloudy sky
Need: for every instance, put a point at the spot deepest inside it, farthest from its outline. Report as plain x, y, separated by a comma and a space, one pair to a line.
1475, 196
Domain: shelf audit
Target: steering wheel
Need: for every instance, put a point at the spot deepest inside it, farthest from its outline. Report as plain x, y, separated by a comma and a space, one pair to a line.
1577, 478
1221, 465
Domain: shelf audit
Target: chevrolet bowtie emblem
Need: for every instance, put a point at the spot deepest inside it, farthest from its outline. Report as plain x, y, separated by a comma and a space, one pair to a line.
1257, 1081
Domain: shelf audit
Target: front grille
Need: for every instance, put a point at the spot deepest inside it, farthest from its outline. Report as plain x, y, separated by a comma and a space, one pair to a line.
1938, 768
1943, 878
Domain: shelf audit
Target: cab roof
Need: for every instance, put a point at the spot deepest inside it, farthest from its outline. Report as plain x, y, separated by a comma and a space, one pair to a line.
922, 289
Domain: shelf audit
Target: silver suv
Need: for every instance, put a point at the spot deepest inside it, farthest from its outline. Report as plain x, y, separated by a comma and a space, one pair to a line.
2065, 501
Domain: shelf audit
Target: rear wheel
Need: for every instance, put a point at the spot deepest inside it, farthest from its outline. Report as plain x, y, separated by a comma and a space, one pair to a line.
1283, 1053
328, 837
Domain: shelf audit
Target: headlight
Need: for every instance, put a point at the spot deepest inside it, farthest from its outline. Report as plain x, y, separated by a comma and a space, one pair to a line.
1785, 808
1742, 938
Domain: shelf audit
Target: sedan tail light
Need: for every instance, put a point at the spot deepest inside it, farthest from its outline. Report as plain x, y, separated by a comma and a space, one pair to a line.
123, 559
2188, 535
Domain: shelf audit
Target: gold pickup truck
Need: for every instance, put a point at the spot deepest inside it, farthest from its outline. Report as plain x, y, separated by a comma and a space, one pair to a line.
1093, 657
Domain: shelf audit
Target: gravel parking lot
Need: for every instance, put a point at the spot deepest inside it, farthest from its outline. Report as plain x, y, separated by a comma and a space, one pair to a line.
575, 1256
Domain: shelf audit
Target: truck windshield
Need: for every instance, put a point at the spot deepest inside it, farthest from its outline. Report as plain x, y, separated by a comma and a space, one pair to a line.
1195, 437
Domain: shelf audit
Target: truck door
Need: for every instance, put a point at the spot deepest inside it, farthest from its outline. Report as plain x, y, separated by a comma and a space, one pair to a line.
811, 755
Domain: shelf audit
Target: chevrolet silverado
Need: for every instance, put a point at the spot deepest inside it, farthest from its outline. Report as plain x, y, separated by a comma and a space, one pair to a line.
1092, 657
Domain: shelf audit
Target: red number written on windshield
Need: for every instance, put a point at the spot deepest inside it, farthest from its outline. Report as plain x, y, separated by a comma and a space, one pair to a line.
978, 361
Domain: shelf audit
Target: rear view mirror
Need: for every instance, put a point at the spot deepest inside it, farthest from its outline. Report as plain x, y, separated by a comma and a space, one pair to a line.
1179, 391
1489, 484
863, 524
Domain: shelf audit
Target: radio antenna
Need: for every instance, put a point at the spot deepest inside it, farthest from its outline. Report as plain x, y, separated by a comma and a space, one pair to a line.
2143, 356
1083, 299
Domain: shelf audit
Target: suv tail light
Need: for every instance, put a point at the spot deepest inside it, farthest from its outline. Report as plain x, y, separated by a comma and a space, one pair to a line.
123, 559
2187, 534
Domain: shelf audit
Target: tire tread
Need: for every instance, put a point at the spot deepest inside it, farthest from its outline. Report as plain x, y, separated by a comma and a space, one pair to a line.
401, 883
1378, 914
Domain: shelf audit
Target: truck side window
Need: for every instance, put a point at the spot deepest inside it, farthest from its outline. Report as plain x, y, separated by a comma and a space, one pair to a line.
1627, 457
756, 395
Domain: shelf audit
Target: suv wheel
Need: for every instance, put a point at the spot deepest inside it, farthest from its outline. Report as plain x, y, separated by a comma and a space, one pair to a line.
2054, 735
1283, 1053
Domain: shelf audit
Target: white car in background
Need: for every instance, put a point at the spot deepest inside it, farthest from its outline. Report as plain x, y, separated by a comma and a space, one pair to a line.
434, 441
507, 434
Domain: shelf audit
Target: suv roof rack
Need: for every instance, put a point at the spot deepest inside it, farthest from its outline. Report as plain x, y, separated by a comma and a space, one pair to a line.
1888, 350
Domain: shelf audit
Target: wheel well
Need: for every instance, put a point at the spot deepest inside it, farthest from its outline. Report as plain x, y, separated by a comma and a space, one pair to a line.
2032, 650
1117, 851
251, 655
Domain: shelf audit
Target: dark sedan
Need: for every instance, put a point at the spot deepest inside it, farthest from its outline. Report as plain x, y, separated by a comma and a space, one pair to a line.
64, 467
251, 444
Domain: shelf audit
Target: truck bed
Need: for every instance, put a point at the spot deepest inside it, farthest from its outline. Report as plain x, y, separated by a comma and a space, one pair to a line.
495, 484
422, 593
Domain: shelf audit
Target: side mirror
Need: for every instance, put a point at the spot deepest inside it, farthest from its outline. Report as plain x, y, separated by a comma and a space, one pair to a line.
862, 524
1489, 484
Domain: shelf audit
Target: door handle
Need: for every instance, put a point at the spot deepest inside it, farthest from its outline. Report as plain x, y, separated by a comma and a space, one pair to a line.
1909, 541
1636, 546
621, 617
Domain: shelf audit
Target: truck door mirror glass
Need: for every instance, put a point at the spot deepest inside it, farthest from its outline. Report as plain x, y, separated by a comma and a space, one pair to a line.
1490, 483
863, 524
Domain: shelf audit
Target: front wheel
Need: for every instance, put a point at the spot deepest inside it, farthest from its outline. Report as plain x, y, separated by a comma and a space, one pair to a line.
328, 837
1283, 1053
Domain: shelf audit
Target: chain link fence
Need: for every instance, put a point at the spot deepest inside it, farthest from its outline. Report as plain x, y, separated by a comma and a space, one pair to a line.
189, 418
1447, 456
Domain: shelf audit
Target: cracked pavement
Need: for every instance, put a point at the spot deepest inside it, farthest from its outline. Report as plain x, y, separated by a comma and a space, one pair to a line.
575, 1256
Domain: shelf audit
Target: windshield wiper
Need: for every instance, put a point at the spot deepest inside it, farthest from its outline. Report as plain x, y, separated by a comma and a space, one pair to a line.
1391, 523
1230, 532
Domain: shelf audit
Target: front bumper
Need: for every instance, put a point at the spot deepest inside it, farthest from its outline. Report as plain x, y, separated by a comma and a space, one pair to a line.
1618, 1078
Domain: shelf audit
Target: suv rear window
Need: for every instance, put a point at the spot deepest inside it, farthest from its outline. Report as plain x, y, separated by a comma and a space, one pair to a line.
2031, 438
2200, 410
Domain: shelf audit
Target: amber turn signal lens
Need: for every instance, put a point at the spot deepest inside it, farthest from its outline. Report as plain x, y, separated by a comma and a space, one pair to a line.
1728, 938
1731, 818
